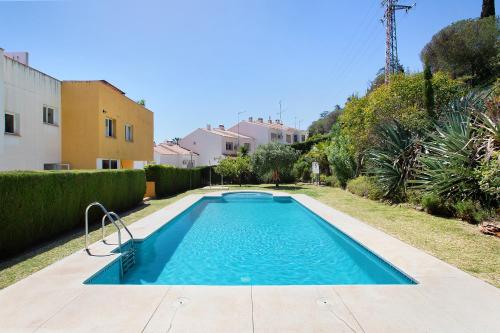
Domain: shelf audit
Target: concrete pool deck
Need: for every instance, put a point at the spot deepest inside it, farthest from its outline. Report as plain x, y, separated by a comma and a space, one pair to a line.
445, 299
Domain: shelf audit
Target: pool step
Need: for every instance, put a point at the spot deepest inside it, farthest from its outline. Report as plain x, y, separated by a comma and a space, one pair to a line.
128, 260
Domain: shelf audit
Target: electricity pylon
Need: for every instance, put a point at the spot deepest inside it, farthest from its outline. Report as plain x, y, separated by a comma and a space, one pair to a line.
391, 42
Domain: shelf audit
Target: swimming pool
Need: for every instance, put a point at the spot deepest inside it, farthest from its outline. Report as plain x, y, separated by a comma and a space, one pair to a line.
249, 238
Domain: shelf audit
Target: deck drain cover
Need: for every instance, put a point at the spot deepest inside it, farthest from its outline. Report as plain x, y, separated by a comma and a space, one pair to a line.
323, 301
181, 301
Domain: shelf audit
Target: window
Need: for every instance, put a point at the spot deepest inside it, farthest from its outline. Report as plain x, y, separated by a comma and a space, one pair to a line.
110, 127
10, 123
129, 133
49, 115
274, 137
110, 164
247, 146
288, 138
303, 138
229, 146
295, 138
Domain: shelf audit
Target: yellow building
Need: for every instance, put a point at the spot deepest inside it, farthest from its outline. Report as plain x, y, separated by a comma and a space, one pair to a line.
102, 128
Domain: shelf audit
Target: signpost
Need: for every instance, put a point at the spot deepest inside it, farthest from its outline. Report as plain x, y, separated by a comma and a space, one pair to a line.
315, 170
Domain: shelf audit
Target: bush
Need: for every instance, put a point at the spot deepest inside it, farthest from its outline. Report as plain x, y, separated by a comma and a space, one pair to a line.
331, 181
169, 180
304, 147
435, 205
450, 163
342, 161
469, 211
392, 160
37, 205
302, 169
364, 187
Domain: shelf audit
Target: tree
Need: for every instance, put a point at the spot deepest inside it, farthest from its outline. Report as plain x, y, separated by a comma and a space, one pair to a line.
341, 157
225, 168
142, 102
273, 160
324, 124
488, 8
466, 49
234, 167
242, 167
428, 92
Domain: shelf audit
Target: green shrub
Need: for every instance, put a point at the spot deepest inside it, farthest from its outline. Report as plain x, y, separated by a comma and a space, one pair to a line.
304, 147
341, 159
169, 180
364, 187
469, 211
37, 205
331, 181
435, 205
392, 160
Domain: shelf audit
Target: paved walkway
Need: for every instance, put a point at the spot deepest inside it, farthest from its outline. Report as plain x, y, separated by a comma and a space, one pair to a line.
445, 300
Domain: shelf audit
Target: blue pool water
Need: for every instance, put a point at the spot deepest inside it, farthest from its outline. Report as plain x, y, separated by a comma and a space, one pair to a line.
251, 239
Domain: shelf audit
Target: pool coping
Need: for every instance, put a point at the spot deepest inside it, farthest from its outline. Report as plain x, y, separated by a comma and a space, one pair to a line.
55, 298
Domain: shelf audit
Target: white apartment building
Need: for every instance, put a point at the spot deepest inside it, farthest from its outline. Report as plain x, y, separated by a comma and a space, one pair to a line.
30, 128
214, 144
268, 131
169, 153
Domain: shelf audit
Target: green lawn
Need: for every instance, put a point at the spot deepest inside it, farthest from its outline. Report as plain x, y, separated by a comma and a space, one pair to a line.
451, 240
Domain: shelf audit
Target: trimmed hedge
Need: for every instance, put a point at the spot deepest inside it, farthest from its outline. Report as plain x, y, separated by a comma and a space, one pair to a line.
37, 205
170, 180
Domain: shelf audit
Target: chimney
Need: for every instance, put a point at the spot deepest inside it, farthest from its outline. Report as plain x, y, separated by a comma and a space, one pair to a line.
277, 121
270, 121
209, 127
260, 120
250, 119
221, 127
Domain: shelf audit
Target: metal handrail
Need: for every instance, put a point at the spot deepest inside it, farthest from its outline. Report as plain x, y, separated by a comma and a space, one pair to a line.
119, 220
106, 213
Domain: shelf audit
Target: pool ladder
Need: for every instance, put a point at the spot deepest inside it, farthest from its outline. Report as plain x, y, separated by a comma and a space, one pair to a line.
127, 258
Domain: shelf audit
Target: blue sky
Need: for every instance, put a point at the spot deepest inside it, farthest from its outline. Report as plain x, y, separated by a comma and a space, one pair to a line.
200, 62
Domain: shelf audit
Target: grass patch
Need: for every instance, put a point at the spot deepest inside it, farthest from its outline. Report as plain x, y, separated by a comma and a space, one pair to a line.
451, 240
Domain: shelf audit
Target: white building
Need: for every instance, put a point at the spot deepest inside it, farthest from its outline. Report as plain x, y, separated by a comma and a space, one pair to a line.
214, 144
30, 128
268, 131
169, 153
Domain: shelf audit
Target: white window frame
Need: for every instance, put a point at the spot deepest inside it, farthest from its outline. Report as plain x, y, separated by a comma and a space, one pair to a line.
107, 128
129, 133
16, 124
55, 118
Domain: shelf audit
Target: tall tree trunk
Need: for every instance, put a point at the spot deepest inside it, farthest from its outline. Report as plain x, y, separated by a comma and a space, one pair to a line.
488, 8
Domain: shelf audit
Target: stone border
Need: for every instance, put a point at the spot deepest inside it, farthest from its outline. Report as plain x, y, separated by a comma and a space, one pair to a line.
445, 300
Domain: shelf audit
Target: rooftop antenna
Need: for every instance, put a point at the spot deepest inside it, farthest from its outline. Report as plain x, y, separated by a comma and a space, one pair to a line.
281, 110
391, 42
240, 112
